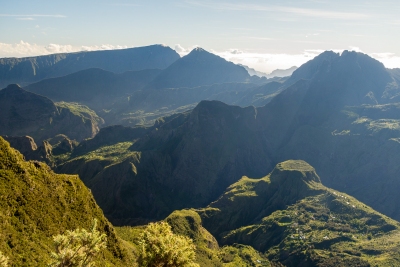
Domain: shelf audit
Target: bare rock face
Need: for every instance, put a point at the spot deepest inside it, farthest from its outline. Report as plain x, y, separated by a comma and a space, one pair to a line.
24, 113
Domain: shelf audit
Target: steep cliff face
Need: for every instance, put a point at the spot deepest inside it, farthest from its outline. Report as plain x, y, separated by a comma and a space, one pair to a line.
36, 204
24, 113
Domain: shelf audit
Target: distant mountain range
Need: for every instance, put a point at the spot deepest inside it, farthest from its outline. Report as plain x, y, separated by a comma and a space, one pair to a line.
215, 144
32, 69
200, 68
142, 96
275, 73
337, 115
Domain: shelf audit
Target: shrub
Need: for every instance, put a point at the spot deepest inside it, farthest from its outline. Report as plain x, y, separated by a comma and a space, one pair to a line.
77, 248
159, 246
3, 260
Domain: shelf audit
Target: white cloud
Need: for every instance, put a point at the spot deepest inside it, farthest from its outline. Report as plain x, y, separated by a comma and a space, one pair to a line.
265, 62
390, 60
24, 49
25, 18
356, 49
179, 49
268, 62
184, 51
235, 51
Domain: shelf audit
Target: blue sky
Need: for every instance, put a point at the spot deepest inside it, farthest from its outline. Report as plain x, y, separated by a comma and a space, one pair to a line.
263, 34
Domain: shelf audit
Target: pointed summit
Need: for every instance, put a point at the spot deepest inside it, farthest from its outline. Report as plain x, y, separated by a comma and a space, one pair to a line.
200, 68
198, 49
13, 86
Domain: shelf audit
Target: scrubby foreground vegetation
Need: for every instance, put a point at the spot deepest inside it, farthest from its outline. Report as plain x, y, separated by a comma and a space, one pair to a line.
37, 204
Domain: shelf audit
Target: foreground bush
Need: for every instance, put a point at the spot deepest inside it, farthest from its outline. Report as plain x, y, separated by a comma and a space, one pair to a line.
3, 260
160, 247
77, 248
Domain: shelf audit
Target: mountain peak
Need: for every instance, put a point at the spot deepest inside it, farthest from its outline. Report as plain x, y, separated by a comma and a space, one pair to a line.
198, 50
13, 86
294, 170
199, 68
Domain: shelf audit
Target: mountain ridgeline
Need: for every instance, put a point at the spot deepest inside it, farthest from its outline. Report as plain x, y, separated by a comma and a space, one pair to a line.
26, 113
32, 69
327, 120
199, 68
323, 147
142, 96
297, 221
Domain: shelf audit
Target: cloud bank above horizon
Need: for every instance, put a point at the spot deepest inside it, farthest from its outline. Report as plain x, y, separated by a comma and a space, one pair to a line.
264, 62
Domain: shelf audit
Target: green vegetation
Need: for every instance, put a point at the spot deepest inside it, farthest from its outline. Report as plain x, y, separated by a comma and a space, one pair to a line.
3, 260
112, 154
294, 219
78, 247
78, 109
188, 223
36, 204
160, 247
239, 255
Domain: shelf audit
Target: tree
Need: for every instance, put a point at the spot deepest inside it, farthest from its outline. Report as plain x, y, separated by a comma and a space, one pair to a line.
77, 248
3, 260
160, 247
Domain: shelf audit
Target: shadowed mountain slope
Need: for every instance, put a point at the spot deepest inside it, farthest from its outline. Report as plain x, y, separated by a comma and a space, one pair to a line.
326, 120
26, 113
87, 85
132, 98
33, 69
199, 68
195, 155
340, 123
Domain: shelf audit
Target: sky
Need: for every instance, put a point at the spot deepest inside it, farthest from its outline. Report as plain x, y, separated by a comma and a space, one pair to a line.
264, 35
